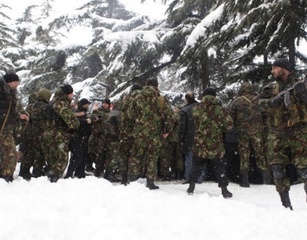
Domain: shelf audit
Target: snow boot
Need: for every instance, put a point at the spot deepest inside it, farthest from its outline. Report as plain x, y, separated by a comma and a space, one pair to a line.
150, 184
244, 180
124, 179
191, 188
25, 172
285, 200
111, 176
226, 193
266, 177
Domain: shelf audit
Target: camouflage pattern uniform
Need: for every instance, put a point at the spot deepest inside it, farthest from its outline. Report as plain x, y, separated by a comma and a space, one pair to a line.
38, 126
27, 144
165, 155
147, 131
97, 141
211, 122
246, 114
8, 154
287, 138
57, 135
113, 158
125, 135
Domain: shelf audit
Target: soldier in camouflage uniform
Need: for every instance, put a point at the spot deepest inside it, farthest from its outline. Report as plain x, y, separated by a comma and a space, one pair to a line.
125, 133
147, 133
9, 112
164, 159
97, 143
211, 122
286, 100
27, 136
246, 114
112, 138
57, 135
38, 126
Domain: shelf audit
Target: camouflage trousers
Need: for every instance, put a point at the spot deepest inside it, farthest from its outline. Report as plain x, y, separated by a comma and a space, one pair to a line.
251, 143
8, 154
33, 152
285, 147
144, 157
56, 152
164, 159
113, 157
125, 145
97, 149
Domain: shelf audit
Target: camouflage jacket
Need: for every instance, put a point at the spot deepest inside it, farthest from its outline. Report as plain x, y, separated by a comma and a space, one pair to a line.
283, 116
126, 123
246, 114
211, 122
61, 105
149, 115
99, 127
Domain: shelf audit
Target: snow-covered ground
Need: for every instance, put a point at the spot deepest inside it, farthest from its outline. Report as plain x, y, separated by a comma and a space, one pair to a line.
94, 208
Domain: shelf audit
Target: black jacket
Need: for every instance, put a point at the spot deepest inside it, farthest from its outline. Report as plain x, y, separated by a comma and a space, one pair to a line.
186, 127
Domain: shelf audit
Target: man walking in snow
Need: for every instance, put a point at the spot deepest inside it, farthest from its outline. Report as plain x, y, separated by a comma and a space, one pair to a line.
287, 140
211, 122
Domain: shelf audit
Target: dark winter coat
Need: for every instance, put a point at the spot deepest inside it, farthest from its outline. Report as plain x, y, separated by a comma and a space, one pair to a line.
186, 127
6, 96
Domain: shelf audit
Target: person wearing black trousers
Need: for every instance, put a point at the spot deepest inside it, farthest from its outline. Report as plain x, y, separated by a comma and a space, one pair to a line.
79, 142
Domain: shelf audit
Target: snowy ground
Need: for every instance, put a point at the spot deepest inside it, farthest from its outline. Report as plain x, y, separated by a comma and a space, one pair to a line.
94, 208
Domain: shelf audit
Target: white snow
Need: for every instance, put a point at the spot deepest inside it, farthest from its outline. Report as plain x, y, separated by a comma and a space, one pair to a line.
93, 208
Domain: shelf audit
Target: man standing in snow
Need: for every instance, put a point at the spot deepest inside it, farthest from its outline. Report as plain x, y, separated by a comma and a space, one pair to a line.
211, 122
287, 141
147, 111
62, 123
8, 114
249, 124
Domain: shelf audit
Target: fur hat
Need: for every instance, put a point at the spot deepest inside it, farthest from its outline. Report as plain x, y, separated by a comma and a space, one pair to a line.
67, 89
10, 77
283, 63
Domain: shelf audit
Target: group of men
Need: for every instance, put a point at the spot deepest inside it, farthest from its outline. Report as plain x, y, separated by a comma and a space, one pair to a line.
130, 137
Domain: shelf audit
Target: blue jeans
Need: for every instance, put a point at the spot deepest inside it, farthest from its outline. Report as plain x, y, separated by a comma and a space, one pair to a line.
188, 157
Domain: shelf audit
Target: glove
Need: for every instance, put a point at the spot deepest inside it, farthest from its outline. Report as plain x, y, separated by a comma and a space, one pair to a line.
276, 101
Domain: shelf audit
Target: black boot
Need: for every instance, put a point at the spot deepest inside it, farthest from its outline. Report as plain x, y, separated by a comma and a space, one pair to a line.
191, 188
285, 200
266, 177
226, 193
25, 172
112, 178
97, 171
124, 179
244, 180
150, 184
305, 188
36, 173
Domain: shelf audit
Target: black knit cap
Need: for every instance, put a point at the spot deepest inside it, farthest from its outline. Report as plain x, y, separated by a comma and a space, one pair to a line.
135, 86
67, 89
107, 101
209, 91
10, 77
84, 101
283, 63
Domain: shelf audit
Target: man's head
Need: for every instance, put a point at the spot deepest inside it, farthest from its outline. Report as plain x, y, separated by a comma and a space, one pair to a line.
281, 69
209, 91
153, 81
68, 91
84, 103
189, 97
12, 80
106, 104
